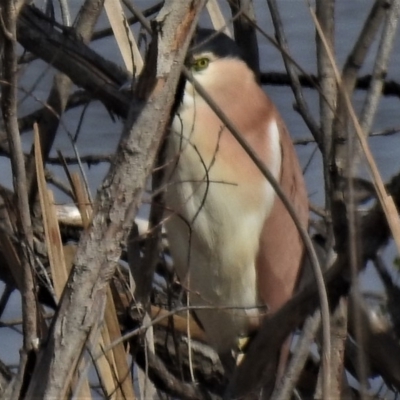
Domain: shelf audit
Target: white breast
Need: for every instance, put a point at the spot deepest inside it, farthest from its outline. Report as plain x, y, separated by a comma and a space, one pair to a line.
215, 220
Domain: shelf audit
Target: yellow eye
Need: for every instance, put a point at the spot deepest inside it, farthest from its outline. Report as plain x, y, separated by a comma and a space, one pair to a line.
200, 64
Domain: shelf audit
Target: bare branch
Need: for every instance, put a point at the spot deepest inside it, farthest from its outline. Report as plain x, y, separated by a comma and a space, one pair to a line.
9, 109
245, 33
115, 209
380, 68
92, 72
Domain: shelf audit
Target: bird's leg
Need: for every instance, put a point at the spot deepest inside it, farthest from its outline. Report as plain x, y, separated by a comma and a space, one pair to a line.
228, 362
232, 358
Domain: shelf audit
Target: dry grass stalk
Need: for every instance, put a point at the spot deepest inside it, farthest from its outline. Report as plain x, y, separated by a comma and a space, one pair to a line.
106, 368
55, 251
119, 353
217, 18
123, 35
52, 233
82, 199
112, 375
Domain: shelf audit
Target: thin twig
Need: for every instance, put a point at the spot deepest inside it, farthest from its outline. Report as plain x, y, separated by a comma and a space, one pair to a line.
101, 34
363, 43
297, 362
325, 11
244, 21
383, 132
138, 14
9, 109
291, 71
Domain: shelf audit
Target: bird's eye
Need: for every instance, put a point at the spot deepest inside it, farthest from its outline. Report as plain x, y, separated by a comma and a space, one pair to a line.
200, 64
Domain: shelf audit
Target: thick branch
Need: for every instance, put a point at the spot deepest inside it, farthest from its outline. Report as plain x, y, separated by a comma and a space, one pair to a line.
100, 77
9, 109
116, 206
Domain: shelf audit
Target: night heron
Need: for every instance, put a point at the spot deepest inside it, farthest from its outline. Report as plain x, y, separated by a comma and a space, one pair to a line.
235, 248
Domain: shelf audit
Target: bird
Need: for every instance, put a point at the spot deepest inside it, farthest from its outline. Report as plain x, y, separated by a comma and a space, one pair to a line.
235, 248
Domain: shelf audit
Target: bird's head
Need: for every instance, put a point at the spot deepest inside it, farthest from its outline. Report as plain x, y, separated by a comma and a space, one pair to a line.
209, 46
214, 60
